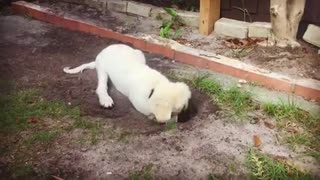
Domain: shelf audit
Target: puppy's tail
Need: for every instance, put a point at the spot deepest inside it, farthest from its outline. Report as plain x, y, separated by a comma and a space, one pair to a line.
91, 65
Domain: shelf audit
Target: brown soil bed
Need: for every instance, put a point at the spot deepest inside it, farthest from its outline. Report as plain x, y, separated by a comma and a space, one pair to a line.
41, 67
34, 59
303, 62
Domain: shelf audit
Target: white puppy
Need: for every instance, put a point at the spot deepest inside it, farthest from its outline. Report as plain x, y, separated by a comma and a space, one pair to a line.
150, 92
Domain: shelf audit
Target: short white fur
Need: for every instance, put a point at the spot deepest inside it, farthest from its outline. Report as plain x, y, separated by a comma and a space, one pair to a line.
126, 68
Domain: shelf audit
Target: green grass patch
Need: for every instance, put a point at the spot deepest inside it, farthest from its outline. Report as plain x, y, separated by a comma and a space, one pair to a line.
125, 136
144, 174
44, 137
315, 154
283, 111
264, 167
299, 139
17, 108
94, 127
308, 140
291, 111
238, 100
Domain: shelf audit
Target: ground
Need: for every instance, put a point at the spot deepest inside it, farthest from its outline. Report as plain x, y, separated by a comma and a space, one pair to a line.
52, 125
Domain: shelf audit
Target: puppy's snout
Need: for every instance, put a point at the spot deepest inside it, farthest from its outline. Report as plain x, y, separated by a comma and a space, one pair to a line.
174, 117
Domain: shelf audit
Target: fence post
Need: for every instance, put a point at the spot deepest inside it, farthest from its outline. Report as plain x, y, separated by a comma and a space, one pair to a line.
209, 14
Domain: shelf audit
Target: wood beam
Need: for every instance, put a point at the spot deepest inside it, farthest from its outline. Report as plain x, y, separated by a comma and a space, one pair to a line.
209, 14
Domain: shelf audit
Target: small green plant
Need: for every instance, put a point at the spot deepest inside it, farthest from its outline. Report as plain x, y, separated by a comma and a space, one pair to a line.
264, 167
171, 125
170, 28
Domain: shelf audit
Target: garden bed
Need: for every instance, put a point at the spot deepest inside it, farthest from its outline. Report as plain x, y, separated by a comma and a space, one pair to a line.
299, 63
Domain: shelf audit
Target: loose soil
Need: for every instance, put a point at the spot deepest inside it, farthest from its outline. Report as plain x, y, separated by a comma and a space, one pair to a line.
299, 63
35, 54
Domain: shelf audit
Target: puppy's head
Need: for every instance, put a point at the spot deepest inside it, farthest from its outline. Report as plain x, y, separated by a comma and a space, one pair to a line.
169, 99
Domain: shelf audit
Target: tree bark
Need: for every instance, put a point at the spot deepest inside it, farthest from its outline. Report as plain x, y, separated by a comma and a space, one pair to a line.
285, 18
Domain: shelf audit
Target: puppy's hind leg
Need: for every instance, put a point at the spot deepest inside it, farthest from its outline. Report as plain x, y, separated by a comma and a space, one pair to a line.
102, 89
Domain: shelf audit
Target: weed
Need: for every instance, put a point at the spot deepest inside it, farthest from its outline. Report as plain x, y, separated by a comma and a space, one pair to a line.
17, 108
171, 125
170, 28
263, 167
145, 174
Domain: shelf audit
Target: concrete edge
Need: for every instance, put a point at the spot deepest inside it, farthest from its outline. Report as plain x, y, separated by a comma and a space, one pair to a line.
308, 88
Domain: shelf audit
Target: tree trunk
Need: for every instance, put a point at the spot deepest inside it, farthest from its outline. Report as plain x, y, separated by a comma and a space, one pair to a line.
285, 18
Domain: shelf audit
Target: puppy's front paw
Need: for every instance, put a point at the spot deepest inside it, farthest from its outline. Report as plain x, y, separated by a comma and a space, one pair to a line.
106, 101
151, 117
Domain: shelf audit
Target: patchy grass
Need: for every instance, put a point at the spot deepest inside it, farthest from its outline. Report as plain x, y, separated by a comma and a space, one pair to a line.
238, 100
17, 108
125, 136
94, 127
44, 137
241, 103
22, 171
291, 112
264, 167
144, 174
298, 139
212, 177
295, 140
283, 111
